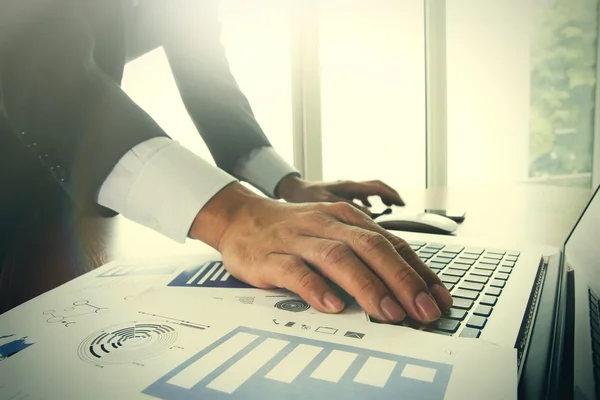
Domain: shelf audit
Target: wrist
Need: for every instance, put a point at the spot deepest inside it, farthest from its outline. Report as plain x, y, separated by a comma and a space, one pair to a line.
288, 187
215, 218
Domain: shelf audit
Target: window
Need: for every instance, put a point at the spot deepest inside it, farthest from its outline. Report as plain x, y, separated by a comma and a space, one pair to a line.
521, 88
373, 90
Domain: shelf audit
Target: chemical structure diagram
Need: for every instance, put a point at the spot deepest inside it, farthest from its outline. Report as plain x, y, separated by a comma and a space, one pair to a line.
67, 316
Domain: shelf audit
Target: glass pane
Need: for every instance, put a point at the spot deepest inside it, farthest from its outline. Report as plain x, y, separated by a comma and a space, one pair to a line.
161, 99
256, 40
373, 90
256, 35
521, 84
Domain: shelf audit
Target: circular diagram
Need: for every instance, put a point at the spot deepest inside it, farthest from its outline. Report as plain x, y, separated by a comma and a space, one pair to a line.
126, 343
293, 305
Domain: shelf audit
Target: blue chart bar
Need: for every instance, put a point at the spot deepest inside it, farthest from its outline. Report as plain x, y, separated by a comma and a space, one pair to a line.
210, 274
137, 270
252, 363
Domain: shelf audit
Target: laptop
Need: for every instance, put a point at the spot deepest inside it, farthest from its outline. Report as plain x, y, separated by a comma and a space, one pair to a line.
543, 301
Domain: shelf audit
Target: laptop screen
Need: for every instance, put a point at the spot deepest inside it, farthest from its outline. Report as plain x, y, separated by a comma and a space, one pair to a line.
582, 249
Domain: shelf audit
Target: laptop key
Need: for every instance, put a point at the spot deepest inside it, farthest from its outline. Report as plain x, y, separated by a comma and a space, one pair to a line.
416, 243
453, 249
491, 261
470, 333
454, 272
455, 313
474, 250
483, 311
442, 260
502, 276
476, 278
488, 267
501, 252
513, 254
493, 291
498, 283
449, 278
446, 325
465, 294
414, 247
488, 300
449, 286
505, 270
482, 272
447, 254
477, 322
509, 258
466, 261
472, 286
462, 267
433, 264
463, 304
509, 264
436, 246
493, 256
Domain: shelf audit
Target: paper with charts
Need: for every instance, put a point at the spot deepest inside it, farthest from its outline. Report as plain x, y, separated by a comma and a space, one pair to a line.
100, 337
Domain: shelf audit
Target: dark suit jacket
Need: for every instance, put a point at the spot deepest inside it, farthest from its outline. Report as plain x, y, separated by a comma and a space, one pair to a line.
59, 84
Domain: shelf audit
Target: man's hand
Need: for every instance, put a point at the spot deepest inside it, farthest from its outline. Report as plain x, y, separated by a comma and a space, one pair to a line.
296, 190
271, 244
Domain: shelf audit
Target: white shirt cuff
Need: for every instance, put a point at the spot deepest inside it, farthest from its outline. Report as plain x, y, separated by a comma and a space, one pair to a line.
264, 168
162, 185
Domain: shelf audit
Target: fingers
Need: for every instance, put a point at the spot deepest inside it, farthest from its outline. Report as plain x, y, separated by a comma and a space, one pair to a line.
338, 262
435, 285
379, 254
337, 199
290, 272
364, 189
391, 196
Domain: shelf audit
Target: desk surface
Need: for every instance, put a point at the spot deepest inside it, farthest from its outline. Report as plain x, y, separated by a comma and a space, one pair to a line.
52, 248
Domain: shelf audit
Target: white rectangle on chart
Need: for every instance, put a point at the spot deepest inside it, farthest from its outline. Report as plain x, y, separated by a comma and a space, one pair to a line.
208, 274
293, 364
419, 373
200, 369
242, 370
216, 274
225, 277
197, 274
375, 372
334, 366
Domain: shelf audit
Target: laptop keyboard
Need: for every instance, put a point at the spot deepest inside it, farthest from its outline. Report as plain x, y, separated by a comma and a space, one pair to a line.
595, 332
474, 276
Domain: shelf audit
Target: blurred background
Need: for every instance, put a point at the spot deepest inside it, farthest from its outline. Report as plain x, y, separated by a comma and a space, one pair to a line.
468, 92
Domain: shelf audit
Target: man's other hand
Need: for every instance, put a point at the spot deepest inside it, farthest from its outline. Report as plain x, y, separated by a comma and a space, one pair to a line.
270, 244
296, 190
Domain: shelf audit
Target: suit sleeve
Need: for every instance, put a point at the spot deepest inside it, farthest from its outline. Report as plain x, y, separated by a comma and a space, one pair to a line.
191, 38
66, 110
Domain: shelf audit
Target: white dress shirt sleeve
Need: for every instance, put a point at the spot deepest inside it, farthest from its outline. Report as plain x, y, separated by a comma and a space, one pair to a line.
162, 185
263, 168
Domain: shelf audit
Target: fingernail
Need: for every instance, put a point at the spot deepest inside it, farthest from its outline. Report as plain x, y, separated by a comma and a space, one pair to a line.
442, 296
427, 307
332, 302
392, 310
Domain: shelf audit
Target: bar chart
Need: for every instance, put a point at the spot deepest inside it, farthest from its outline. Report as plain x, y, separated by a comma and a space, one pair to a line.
251, 363
210, 274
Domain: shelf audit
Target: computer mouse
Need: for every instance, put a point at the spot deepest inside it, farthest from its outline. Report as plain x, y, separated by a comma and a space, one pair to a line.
417, 222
